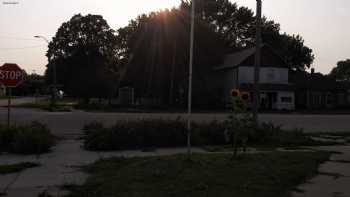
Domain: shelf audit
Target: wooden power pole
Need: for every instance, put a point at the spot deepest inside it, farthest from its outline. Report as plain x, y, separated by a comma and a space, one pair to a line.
258, 41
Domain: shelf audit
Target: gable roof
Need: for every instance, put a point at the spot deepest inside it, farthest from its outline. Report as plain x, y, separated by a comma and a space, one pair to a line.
236, 59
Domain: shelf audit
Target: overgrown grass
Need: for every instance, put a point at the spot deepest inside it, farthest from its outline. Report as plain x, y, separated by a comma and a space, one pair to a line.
264, 175
34, 138
14, 168
66, 104
145, 134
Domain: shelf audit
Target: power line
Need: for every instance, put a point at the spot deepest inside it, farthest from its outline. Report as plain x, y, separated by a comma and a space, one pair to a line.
22, 48
17, 38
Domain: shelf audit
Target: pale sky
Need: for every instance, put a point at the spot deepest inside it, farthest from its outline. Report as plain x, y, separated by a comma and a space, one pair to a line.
322, 23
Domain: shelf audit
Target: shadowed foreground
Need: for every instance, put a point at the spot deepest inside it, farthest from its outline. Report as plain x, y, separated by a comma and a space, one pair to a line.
270, 174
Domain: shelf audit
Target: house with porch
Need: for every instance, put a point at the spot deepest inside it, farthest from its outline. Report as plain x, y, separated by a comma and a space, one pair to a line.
276, 90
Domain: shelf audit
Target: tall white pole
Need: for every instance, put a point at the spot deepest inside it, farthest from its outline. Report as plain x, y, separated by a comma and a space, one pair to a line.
54, 74
189, 118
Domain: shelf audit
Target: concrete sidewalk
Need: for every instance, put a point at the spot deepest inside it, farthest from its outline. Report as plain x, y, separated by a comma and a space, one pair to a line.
61, 167
334, 177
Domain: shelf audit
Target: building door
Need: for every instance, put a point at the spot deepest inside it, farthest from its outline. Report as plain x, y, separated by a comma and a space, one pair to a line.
268, 100
271, 99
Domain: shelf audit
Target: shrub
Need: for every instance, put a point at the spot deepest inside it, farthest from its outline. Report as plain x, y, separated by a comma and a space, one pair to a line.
135, 135
150, 133
143, 134
212, 133
6, 137
97, 137
34, 138
270, 134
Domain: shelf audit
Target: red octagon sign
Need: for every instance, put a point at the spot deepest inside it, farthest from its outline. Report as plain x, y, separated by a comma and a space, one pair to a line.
11, 75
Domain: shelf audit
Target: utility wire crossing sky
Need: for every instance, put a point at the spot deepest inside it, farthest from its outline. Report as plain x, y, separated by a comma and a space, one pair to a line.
322, 23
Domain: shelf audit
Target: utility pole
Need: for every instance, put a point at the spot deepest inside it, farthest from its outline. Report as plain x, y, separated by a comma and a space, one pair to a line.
193, 13
54, 75
257, 63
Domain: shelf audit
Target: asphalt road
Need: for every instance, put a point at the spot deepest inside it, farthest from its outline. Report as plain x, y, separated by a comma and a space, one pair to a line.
71, 123
19, 101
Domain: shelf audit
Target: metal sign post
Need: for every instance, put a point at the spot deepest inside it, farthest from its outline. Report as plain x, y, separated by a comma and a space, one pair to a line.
9, 107
11, 76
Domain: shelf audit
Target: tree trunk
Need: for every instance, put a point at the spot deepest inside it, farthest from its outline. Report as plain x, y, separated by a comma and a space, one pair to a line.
172, 76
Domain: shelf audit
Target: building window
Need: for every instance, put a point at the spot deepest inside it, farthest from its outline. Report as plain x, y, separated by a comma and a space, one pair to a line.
286, 99
271, 75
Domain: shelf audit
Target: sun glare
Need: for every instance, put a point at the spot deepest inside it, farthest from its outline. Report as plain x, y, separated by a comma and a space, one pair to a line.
155, 5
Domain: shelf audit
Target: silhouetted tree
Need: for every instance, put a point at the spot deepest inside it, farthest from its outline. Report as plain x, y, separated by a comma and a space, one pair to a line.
156, 47
85, 53
237, 25
32, 85
342, 71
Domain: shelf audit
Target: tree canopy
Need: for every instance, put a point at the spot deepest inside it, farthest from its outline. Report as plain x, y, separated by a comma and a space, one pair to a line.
84, 51
342, 70
157, 48
32, 85
237, 26
151, 52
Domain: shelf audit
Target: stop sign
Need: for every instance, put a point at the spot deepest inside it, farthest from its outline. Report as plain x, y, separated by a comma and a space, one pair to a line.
11, 75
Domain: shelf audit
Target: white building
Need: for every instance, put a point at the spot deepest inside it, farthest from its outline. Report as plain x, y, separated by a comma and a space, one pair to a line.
237, 72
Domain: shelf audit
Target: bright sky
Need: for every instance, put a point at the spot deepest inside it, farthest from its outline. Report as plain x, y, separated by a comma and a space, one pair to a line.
322, 23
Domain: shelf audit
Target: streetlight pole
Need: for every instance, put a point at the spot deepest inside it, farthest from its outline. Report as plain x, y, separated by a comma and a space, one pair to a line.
193, 14
54, 76
258, 41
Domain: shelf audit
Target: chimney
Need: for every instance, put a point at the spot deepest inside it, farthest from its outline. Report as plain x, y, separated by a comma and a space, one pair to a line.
312, 71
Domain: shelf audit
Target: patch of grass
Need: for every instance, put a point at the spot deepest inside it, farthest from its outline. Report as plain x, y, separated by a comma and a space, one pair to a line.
224, 148
331, 174
33, 138
265, 148
336, 134
14, 168
341, 161
157, 133
264, 175
43, 104
297, 148
347, 140
228, 148
63, 105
